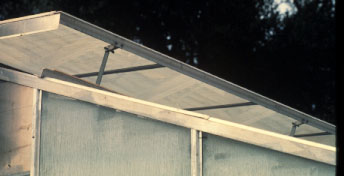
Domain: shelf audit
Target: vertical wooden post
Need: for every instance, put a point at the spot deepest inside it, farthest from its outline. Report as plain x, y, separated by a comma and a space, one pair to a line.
200, 153
193, 152
36, 132
196, 153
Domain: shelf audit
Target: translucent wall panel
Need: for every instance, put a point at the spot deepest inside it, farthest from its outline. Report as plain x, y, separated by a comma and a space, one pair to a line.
223, 156
79, 138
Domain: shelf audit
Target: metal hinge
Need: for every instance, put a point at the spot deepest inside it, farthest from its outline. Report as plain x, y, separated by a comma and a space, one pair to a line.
108, 49
295, 125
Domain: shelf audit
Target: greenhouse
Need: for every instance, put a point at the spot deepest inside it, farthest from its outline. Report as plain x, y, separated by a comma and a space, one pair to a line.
77, 99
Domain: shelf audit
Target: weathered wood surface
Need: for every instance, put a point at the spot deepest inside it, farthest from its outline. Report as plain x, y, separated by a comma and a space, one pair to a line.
29, 25
200, 143
194, 164
79, 138
196, 153
266, 139
228, 157
69, 78
263, 118
36, 131
16, 110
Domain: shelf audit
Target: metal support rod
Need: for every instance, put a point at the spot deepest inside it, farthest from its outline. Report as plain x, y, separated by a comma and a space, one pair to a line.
221, 106
108, 49
72, 79
292, 132
102, 67
295, 125
121, 70
312, 134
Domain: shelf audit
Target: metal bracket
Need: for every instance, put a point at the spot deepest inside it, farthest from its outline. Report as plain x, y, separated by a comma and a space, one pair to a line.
108, 49
295, 125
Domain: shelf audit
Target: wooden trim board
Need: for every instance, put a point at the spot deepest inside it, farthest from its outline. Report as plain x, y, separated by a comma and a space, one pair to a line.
29, 25
36, 131
193, 137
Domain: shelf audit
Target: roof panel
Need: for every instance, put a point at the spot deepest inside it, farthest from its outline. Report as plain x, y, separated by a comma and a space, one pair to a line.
185, 69
29, 25
77, 47
168, 87
65, 49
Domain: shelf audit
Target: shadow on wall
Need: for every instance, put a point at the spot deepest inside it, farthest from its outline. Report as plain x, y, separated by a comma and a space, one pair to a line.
16, 112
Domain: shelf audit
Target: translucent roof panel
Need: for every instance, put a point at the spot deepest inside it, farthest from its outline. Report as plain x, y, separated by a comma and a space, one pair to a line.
167, 87
62, 42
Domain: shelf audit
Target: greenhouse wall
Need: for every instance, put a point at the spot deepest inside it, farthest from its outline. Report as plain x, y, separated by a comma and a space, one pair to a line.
79, 138
75, 137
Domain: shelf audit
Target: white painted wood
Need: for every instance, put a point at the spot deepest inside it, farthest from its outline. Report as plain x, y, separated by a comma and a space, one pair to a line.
260, 117
29, 25
262, 138
29, 17
200, 152
196, 152
16, 111
36, 132
194, 147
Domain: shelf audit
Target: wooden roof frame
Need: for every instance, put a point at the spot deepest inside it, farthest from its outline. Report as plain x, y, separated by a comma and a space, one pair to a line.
50, 20
191, 71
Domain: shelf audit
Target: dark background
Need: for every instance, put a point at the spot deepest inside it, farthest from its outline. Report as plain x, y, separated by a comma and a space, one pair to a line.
289, 57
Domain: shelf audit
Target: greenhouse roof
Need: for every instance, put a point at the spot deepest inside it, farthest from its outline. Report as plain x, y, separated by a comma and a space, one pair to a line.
59, 41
